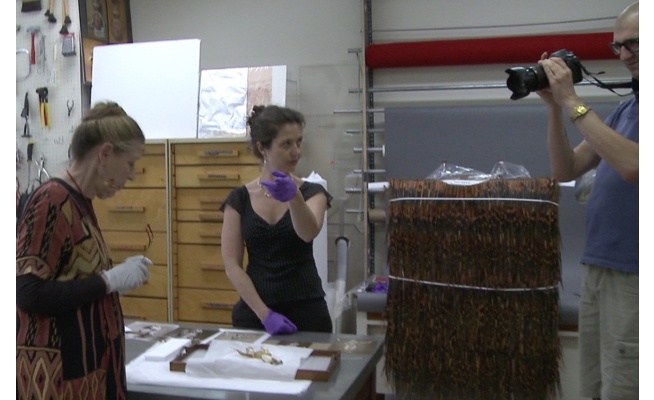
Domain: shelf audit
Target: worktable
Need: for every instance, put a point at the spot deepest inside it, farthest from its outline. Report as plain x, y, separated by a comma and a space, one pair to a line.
353, 378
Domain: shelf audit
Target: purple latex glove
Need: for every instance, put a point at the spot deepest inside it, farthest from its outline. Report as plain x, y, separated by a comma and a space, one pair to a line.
276, 324
283, 188
381, 287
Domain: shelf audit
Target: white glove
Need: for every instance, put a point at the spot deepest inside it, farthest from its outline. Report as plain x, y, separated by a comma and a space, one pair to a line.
129, 275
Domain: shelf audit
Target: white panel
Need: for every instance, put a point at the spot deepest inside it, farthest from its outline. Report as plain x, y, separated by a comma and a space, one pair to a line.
279, 85
157, 83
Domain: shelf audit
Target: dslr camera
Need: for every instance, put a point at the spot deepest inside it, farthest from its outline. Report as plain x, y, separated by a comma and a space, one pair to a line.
522, 81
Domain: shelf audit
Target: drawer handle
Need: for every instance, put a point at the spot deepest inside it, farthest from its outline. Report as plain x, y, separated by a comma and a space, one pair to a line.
139, 171
218, 306
219, 153
219, 176
127, 209
140, 317
210, 234
212, 199
213, 267
123, 246
211, 216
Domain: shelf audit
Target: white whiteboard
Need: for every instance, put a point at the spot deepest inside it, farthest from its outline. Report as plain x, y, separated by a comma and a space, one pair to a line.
157, 83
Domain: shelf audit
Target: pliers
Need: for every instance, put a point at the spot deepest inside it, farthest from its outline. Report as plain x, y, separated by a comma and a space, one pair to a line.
41, 172
44, 106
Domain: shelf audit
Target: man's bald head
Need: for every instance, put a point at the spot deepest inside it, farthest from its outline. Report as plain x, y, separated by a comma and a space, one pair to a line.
627, 15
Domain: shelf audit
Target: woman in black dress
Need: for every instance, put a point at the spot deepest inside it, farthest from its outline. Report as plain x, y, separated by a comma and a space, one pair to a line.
276, 217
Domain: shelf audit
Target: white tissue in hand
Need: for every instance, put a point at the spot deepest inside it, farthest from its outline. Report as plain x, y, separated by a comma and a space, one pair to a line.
166, 351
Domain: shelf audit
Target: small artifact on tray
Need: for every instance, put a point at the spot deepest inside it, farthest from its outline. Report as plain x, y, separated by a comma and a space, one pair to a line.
263, 354
319, 366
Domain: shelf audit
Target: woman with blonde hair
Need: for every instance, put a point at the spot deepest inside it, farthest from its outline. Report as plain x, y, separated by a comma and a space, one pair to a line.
70, 340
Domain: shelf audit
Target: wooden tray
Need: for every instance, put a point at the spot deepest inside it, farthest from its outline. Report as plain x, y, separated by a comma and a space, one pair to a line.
320, 375
179, 363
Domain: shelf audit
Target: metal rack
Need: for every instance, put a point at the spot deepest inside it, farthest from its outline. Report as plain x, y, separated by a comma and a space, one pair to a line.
370, 147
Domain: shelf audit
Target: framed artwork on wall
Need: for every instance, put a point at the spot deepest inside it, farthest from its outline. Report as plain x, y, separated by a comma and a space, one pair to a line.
108, 21
119, 21
94, 19
87, 56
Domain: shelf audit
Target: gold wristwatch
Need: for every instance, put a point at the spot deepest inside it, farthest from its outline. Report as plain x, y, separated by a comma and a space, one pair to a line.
578, 111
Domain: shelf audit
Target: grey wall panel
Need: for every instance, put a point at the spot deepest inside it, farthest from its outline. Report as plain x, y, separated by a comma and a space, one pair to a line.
419, 139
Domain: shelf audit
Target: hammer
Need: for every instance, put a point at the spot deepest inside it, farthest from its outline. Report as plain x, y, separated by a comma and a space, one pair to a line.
33, 30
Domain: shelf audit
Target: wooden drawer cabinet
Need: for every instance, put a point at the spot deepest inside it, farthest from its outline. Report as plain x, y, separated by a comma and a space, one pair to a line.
144, 309
123, 244
123, 220
199, 233
199, 216
201, 267
150, 172
214, 153
223, 176
133, 210
202, 305
204, 175
201, 199
156, 286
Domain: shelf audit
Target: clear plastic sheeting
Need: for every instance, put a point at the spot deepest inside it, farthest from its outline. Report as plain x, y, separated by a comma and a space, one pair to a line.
456, 175
507, 170
228, 95
223, 103
584, 185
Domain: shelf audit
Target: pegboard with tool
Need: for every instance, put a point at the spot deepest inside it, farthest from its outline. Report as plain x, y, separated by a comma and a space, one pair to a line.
49, 91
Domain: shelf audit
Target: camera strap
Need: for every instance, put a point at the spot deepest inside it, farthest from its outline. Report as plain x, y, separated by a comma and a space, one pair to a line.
608, 86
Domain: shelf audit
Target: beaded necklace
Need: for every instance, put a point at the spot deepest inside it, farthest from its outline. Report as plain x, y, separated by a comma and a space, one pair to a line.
264, 191
86, 200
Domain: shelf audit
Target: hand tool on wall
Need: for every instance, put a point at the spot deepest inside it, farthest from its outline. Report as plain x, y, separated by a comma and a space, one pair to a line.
50, 12
65, 19
30, 5
26, 114
42, 174
68, 45
48, 115
69, 105
44, 107
30, 151
19, 65
39, 91
33, 30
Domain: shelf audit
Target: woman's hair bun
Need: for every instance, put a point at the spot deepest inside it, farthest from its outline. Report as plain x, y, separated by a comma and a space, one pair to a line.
256, 112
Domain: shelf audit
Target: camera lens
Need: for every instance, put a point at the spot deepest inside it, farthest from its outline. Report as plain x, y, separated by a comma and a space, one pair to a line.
522, 81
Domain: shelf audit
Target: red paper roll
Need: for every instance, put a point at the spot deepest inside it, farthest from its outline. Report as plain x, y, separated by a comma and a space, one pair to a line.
505, 50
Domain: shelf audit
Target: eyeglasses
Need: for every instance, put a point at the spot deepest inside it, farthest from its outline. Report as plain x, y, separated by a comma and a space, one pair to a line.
148, 231
629, 44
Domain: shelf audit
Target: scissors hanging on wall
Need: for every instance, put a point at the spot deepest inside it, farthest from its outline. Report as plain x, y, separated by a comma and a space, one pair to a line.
69, 105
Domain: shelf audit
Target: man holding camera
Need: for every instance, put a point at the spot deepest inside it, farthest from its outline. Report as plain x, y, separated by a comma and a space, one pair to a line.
608, 316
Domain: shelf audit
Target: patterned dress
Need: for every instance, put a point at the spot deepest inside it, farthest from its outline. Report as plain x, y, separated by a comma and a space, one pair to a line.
75, 349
